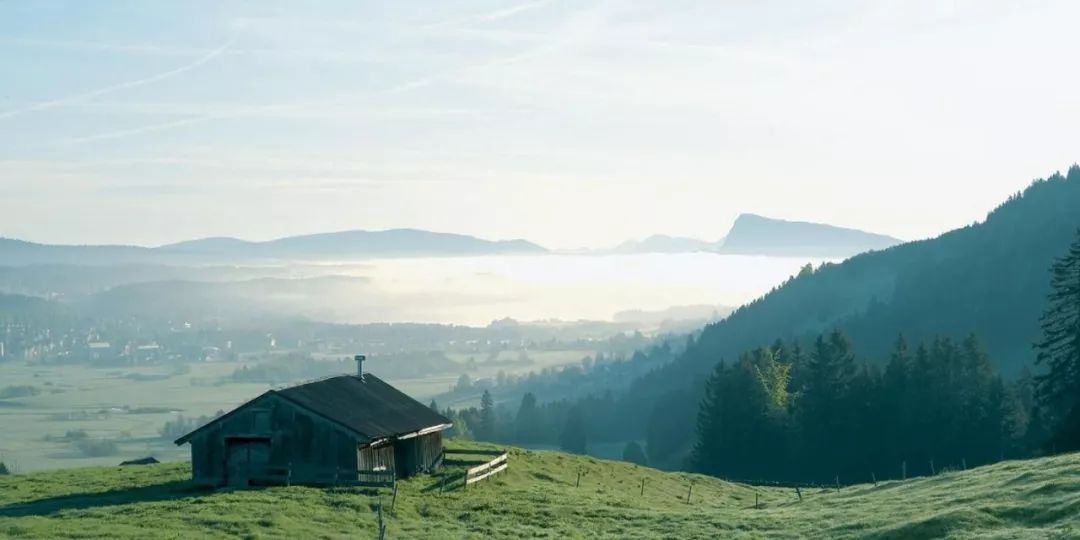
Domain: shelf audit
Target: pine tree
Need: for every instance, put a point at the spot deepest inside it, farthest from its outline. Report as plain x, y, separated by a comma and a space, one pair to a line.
433, 406
485, 431
527, 423
634, 454
574, 437
826, 414
1059, 351
706, 455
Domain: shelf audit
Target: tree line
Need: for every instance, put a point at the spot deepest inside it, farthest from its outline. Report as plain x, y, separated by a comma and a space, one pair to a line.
787, 414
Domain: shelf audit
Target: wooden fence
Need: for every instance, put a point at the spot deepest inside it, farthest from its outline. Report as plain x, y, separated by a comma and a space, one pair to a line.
481, 470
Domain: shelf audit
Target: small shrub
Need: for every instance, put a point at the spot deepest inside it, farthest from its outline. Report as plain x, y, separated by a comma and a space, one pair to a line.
3, 469
97, 447
72, 435
18, 391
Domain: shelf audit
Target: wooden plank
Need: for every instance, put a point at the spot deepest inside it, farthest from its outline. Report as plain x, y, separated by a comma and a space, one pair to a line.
481, 468
477, 452
497, 470
358, 483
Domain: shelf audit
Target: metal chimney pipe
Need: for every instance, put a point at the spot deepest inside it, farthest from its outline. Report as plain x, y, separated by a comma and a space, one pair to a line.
360, 366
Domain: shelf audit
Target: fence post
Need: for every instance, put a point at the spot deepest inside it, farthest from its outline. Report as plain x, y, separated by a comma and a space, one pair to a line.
288, 474
382, 526
932, 470
873, 477
757, 504
393, 501
963, 463
838, 483
642, 487
690, 493
903, 470
798, 492
578, 484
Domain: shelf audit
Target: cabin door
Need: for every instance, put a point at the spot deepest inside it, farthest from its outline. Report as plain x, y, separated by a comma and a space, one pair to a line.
245, 459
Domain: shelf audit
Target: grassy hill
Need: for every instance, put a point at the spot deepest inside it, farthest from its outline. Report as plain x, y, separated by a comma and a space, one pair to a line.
537, 497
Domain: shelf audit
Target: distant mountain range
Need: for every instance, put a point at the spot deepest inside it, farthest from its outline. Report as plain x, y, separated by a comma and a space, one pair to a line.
758, 235
339, 245
388, 243
751, 234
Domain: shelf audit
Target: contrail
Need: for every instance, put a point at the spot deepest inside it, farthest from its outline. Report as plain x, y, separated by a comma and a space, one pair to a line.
124, 85
489, 16
395, 89
263, 109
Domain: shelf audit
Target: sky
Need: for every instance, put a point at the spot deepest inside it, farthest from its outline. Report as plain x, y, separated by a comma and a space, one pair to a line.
572, 123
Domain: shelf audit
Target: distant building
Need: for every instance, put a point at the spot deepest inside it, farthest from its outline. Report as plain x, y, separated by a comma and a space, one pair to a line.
151, 460
318, 431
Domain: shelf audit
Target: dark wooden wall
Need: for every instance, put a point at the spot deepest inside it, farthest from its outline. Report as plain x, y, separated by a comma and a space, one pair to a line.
271, 435
309, 445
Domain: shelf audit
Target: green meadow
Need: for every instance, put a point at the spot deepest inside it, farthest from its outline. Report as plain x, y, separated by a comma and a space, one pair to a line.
539, 496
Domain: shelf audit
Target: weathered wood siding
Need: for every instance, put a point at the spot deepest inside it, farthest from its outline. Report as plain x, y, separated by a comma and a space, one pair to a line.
312, 447
376, 458
418, 454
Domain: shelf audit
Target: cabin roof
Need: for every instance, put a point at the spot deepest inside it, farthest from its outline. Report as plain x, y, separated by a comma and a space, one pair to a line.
369, 407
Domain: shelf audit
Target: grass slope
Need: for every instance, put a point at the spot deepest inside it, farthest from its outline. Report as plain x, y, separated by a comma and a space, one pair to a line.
537, 497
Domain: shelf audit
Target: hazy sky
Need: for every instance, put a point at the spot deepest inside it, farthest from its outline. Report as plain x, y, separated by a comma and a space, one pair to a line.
571, 123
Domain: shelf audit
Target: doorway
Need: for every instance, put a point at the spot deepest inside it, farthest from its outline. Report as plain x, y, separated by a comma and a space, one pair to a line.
245, 458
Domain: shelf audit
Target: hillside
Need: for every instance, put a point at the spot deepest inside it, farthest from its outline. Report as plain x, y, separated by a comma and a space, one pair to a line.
18, 252
990, 278
537, 497
388, 243
347, 244
758, 235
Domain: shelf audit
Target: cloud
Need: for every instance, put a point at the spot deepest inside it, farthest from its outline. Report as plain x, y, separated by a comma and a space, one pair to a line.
78, 98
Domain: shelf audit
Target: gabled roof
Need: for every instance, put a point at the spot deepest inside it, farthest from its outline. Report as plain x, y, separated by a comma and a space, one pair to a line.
369, 407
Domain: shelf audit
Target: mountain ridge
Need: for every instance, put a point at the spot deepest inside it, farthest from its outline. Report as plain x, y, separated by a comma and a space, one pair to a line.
754, 234
759, 235
352, 243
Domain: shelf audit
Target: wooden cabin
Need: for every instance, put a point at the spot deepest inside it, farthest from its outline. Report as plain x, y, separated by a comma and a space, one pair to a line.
327, 431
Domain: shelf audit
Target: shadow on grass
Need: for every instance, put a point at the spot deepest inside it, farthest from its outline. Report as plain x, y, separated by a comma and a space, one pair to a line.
445, 482
167, 491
